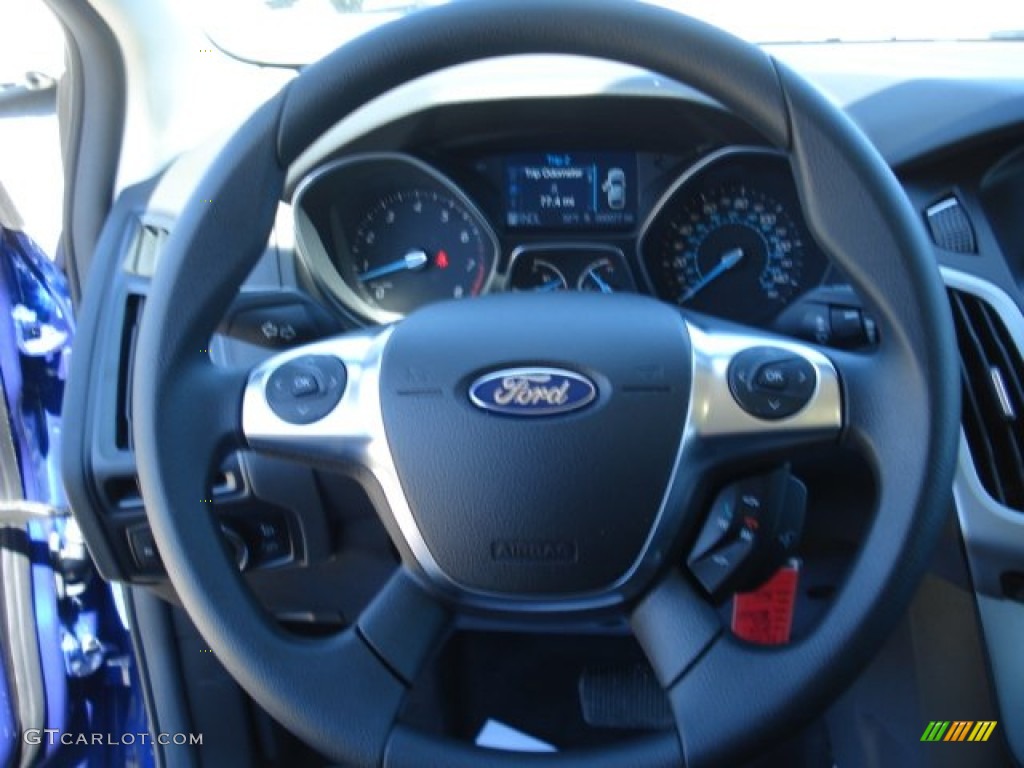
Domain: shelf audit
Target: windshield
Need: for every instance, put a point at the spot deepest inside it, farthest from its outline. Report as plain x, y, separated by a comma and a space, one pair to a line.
295, 32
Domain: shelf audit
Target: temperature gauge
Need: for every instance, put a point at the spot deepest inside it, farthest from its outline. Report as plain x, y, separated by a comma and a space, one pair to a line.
605, 275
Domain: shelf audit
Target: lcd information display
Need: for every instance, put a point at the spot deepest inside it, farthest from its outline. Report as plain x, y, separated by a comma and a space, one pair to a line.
570, 190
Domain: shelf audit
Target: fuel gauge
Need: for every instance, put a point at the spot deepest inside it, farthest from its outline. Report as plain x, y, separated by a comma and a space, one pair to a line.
605, 275
533, 274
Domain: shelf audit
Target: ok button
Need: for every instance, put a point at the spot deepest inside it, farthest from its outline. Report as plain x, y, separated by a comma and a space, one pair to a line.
772, 376
305, 384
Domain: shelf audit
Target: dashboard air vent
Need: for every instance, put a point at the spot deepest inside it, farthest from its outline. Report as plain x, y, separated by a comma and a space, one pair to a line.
992, 374
129, 334
144, 251
950, 228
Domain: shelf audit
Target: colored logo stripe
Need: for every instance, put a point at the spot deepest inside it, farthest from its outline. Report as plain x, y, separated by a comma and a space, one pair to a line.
958, 730
982, 730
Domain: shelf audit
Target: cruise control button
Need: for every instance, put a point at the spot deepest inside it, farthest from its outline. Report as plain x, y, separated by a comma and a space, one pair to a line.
719, 525
717, 568
753, 527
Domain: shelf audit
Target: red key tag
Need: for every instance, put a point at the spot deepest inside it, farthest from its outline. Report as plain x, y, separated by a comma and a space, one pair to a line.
765, 615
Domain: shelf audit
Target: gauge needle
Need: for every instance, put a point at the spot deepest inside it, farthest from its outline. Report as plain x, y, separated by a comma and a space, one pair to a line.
601, 284
592, 272
412, 261
550, 285
729, 260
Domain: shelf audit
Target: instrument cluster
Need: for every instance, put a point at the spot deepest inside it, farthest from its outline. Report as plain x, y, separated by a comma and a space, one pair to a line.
383, 234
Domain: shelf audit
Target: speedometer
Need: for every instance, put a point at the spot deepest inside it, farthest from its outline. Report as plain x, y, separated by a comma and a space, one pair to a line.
730, 241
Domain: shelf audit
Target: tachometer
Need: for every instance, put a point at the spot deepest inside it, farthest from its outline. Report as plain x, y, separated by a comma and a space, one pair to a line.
418, 246
383, 234
729, 241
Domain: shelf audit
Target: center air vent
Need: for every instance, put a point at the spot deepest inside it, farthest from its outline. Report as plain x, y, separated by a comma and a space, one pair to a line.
950, 227
992, 373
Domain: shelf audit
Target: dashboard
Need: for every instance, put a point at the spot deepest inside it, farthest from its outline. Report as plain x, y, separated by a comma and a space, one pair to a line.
605, 179
382, 234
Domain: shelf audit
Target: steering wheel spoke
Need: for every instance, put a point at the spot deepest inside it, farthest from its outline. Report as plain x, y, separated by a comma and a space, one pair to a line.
352, 693
674, 625
715, 684
756, 395
320, 402
403, 625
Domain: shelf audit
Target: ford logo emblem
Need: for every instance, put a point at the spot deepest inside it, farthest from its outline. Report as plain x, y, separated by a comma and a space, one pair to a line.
532, 391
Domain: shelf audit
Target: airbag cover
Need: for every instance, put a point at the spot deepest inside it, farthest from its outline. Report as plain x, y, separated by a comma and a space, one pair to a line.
542, 484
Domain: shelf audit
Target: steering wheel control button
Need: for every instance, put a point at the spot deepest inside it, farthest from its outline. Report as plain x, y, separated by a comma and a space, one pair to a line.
720, 525
307, 389
799, 377
305, 384
719, 568
771, 383
754, 526
771, 376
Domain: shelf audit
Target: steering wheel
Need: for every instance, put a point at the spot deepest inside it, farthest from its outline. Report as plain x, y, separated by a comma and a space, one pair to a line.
586, 509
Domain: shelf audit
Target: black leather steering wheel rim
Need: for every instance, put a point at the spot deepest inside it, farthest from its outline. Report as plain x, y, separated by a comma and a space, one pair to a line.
340, 694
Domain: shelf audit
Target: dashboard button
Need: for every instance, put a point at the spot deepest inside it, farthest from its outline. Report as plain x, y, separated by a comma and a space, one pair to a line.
275, 325
307, 389
272, 542
144, 551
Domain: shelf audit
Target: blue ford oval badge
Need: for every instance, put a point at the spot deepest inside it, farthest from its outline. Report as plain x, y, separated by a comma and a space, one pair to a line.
532, 391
